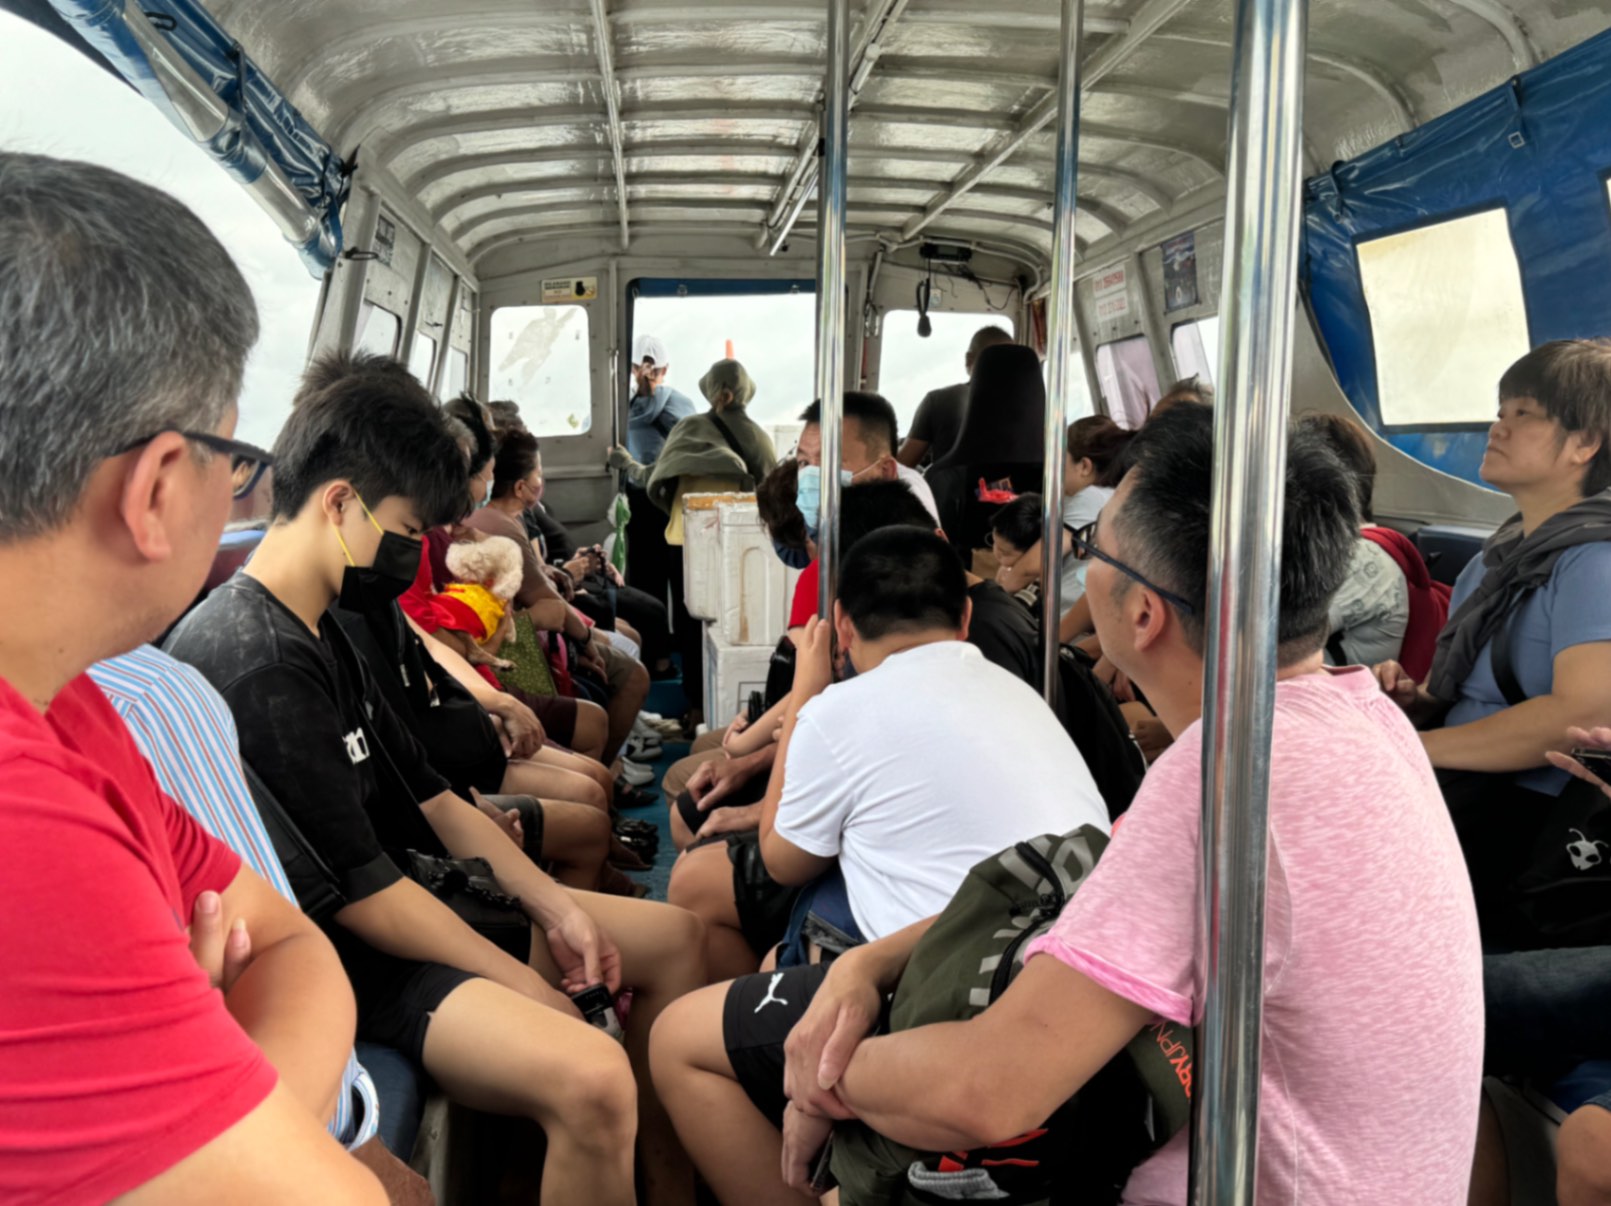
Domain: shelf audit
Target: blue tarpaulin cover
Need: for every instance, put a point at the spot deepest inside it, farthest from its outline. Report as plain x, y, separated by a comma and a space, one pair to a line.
1538, 145
268, 130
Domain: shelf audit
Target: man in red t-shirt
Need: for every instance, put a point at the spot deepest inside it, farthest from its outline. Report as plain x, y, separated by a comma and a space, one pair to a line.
125, 1073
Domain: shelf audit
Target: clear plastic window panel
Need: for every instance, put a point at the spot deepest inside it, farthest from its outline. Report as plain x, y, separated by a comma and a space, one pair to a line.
1447, 317
1196, 347
1129, 381
538, 359
455, 374
773, 335
423, 358
378, 329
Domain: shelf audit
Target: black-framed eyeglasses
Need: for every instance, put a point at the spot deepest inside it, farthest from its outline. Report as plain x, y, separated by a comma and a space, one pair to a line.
1085, 547
247, 462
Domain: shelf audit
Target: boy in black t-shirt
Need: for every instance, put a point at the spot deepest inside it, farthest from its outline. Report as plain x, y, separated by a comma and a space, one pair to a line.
364, 466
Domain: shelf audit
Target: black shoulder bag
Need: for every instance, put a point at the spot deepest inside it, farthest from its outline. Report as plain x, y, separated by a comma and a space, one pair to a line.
1540, 865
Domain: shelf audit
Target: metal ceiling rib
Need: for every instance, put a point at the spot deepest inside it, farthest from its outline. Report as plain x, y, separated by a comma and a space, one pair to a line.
511, 121
1107, 58
612, 110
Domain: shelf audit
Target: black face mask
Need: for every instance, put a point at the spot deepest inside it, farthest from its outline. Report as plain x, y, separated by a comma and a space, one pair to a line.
376, 586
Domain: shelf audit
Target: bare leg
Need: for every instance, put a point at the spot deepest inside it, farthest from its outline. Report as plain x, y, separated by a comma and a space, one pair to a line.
530, 777
592, 730
629, 632
579, 764
628, 690
1583, 1158
737, 1151
711, 740
495, 1050
702, 883
661, 959
576, 840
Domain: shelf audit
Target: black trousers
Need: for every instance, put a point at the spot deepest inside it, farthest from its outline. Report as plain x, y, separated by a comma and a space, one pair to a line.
655, 568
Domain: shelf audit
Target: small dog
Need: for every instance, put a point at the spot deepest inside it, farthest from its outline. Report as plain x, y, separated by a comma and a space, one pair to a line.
489, 573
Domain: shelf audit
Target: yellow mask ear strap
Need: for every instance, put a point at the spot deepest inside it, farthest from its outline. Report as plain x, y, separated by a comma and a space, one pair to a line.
344, 549
367, 513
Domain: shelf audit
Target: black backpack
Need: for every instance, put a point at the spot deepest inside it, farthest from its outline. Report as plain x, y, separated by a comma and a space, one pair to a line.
1086, 1151
1092, 717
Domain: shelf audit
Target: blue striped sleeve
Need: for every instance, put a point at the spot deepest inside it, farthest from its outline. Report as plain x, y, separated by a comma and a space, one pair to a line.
185, 730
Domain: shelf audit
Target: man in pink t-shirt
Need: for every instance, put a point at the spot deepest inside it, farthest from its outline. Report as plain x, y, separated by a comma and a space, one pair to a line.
1372, 1040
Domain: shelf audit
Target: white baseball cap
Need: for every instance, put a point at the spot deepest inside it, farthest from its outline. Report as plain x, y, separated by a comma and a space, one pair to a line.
649, 347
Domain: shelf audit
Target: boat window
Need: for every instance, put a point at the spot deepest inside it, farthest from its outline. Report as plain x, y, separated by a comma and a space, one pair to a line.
378, 329
773, 335
1196, 347
456, 375
538, 359
423, 358
910, 365
1129, 381
1447, 318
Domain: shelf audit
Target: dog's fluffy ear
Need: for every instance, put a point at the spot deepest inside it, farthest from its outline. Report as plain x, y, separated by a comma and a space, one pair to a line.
504, 565
465, 561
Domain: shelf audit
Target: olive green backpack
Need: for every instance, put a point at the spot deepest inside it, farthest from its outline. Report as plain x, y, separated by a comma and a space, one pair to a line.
1086, 1151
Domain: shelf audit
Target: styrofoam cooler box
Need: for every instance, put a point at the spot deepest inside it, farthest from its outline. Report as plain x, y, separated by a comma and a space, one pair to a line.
755, 585
702, 553
731, 673
784, 437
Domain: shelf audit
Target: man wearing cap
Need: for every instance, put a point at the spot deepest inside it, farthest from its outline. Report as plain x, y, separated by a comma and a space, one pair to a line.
655, 407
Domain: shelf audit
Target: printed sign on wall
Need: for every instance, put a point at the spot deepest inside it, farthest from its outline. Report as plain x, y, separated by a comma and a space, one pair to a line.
1180, 272
1112, 293
570, 289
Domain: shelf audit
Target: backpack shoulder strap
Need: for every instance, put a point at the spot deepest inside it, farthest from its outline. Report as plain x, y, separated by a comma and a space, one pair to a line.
1503, 656
727, 434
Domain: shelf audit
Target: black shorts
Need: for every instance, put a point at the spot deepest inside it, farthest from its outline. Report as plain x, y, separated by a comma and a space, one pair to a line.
763, 904
757, 1016
396, 997
752, 792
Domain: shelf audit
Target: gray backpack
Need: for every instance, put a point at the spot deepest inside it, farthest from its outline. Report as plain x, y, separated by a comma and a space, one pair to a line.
1086, 1151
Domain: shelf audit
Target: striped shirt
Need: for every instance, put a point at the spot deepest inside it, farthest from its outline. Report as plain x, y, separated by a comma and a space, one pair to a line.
187, 733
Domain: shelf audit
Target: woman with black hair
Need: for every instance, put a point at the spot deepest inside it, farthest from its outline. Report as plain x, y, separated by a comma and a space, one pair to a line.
1015, 538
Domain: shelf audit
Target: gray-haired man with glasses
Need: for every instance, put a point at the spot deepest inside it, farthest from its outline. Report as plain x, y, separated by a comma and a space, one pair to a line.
172, 1030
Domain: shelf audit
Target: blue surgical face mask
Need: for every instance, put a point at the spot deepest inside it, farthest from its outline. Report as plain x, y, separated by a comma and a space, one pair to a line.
808, 494
487, 497
793, 558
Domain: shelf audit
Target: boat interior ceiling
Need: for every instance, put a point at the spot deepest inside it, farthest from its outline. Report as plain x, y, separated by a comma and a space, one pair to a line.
537, 134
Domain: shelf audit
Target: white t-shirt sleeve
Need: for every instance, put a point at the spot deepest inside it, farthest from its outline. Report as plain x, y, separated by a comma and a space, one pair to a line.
817, 794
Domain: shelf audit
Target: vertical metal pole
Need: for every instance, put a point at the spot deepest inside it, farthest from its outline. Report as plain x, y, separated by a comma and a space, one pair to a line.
831, 291
1262, 225
1060, 341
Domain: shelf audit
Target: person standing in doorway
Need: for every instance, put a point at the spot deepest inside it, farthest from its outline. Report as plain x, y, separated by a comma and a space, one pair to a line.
653, 409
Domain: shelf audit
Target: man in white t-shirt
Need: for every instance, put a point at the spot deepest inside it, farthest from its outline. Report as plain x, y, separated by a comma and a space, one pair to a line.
867, 448
929, 761
1373, 1016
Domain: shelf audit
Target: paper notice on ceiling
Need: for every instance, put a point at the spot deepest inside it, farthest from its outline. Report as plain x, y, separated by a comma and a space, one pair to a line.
570, 289
1112, 294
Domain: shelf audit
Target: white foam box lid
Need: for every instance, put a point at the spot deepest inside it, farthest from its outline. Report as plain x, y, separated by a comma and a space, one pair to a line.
784, 437
756, 587
702, 553
731, 673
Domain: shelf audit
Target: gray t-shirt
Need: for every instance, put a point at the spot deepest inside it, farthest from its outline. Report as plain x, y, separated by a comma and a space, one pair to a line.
1372, 607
